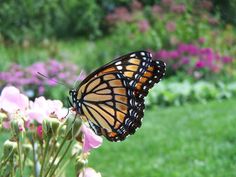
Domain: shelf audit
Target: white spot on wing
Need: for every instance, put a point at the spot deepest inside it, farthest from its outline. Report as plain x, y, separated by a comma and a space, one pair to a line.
119, 67
132, 55
118, 63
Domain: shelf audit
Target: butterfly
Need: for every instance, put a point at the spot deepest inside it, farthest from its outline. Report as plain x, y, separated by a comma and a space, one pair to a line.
111, 99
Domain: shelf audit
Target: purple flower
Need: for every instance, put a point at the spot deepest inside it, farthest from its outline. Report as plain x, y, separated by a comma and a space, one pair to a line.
206, 4
171, 26
174, 54
201, 40
166, 2
178, 8
136, 5
156, 9
227, 59
143, 25
162, 54
199, 64
192, 49
206, 51
185, 60
41, 90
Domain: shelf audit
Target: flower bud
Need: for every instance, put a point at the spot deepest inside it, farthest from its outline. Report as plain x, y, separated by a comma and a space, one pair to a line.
73, 127
50, 127
27, 148
80, 163
62, 130
2, 115
76, 149
17, 126
9, 148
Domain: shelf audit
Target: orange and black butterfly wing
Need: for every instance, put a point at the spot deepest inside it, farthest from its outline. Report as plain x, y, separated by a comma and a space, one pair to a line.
109, 105
138, 67
137, 72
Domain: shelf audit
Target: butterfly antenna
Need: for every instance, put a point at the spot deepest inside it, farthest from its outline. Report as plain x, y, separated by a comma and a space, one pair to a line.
42, 75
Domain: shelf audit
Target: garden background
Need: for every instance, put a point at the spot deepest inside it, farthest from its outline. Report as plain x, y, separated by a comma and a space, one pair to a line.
188, 127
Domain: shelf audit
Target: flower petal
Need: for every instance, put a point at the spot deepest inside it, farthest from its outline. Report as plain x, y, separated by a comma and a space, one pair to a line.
36, 114
91, 140
89, 172
12, 100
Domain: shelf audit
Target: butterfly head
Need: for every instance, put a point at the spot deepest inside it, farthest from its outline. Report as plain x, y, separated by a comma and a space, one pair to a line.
75, 102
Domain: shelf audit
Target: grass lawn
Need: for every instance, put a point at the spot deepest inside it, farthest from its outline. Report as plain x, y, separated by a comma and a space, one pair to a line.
189, 141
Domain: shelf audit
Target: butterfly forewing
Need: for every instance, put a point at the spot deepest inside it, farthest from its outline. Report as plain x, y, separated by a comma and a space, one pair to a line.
139, 67
112, 97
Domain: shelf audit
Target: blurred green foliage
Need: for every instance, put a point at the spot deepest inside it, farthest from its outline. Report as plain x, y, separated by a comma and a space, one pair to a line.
120, 27
227, 10
171, 92
35, 20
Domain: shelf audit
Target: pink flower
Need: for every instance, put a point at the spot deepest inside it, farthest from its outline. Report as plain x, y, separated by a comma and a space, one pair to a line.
89, 172
11, 100
40, 131
227, 59
178, 8
206, 4
167, 2
136, 5
143, 25
170, 26
14, 104
42, 108
156, 9
91, 140
201, 40
199, 64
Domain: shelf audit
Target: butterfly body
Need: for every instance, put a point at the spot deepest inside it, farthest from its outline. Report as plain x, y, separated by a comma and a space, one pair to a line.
111, 98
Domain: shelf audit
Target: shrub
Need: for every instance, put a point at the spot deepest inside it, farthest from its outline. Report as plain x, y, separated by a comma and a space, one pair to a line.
37, 20
194, 60
170, 92
33, 84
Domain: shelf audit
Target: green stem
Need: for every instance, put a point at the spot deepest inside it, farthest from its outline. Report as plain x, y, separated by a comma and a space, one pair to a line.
6, 160
35, 160
59, 173
44, 156
20, 159
57, 153
62, 157
51, 149
13, 169
59, 149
